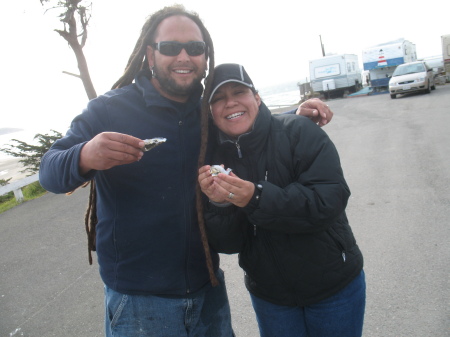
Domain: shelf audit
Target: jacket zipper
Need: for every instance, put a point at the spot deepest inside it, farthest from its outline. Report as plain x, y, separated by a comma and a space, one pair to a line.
187, 224
238, 150
254, 226
337, 240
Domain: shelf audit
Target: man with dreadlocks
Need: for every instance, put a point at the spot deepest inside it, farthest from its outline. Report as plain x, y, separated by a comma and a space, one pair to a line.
143, 218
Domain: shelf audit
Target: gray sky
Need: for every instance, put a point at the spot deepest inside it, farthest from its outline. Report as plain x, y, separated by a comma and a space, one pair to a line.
274, 41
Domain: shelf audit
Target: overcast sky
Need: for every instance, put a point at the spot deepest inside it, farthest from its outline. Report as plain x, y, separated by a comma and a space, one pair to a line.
274, 41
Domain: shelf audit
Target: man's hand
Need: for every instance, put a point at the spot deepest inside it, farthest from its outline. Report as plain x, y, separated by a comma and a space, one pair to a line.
316, 110
109, 149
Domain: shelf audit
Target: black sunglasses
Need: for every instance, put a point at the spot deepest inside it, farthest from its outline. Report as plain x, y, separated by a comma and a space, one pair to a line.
173, 48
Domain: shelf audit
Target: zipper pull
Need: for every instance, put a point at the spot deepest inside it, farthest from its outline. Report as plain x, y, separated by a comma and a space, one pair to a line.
239, 150
343, 255
254, 230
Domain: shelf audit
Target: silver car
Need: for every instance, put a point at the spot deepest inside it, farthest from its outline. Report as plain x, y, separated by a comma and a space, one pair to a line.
411, 77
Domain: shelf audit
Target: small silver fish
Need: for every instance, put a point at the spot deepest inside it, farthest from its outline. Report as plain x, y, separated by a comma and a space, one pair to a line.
216, 169
153, 142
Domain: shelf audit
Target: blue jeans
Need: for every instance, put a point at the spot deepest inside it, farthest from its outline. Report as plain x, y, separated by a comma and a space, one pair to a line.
340, 315
203, 314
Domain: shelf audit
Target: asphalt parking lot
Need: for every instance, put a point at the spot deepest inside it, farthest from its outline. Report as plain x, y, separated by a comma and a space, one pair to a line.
396, 159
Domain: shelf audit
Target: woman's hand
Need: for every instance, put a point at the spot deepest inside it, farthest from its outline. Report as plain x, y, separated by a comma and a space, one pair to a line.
225, 188
234, 189
206, 181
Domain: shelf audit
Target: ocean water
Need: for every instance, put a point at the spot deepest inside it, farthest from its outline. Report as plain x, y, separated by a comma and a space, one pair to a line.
280, 95
276, 96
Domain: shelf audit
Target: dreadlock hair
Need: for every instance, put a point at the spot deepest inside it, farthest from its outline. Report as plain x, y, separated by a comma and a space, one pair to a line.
136, 62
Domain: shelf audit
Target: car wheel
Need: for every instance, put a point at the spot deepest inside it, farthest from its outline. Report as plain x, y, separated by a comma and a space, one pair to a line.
393, 96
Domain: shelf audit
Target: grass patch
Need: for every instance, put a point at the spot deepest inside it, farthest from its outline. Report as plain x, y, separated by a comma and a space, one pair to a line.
30, 192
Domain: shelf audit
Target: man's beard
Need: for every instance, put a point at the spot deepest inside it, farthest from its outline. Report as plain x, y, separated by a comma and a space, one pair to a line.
170, 86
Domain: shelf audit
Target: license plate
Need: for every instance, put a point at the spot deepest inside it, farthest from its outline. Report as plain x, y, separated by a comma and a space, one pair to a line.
406, 87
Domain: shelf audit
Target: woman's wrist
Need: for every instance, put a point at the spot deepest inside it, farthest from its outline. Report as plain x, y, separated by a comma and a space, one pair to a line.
220, 204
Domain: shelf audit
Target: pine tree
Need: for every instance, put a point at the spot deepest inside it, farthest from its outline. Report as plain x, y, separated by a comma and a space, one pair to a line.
31, 154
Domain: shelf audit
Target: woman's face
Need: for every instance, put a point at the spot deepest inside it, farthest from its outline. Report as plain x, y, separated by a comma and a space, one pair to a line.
234, 108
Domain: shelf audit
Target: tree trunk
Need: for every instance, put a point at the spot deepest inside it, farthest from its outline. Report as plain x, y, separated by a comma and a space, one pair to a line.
71, 37
84, 71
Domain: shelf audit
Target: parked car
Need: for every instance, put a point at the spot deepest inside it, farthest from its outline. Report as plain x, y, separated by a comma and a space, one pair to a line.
411, 77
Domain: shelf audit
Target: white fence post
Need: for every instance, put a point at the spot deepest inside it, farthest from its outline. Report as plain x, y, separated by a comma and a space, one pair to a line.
19, 195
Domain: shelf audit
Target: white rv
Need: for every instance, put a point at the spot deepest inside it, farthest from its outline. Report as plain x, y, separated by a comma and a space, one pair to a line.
435, 62
335, 75
382, 59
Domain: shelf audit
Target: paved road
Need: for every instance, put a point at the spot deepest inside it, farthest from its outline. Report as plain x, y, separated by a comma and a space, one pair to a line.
396, 157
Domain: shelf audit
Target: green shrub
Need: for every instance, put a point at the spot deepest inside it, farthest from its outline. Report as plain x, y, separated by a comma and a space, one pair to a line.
6, 197
5, 205
33, 190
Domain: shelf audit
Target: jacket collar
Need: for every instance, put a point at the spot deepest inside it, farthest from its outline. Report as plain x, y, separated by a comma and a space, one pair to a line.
255, 140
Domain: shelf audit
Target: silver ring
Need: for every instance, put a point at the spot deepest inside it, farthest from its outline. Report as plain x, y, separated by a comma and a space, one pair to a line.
230, 196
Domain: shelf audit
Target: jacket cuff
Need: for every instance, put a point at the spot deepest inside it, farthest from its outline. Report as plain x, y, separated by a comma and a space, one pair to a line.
220, 204
89, 175
254, 201
223, 209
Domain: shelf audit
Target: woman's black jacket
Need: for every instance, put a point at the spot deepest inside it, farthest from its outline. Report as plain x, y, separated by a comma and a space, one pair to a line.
294, 241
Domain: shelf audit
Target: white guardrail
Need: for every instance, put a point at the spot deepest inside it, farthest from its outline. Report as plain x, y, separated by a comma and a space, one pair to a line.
16, 186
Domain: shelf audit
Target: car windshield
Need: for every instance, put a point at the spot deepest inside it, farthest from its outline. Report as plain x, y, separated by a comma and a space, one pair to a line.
409, 69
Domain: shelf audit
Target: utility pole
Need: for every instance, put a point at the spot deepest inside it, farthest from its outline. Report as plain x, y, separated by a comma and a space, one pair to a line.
321, 45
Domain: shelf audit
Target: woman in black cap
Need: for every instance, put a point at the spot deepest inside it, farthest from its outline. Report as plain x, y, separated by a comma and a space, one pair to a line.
282, 208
